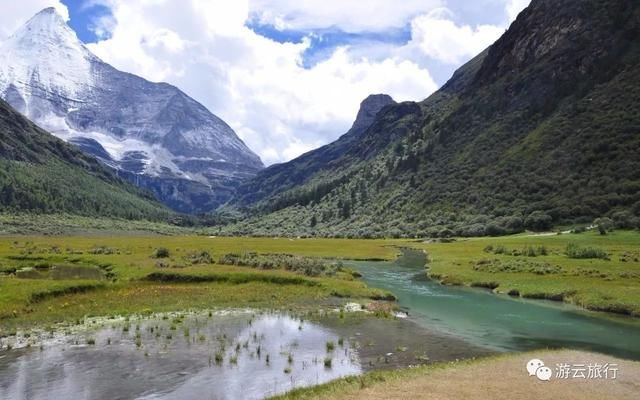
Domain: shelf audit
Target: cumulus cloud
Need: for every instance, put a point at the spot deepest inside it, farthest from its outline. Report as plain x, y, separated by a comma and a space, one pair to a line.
346, 15
263, 88
15, 13
514, 7
259, 86
437, 36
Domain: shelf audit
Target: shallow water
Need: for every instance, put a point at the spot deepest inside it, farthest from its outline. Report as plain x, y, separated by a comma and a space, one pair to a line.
147, 359
153, 361
62, 272
500, 322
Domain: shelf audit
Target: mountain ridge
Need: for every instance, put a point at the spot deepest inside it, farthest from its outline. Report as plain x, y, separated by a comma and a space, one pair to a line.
155, 135
535, 131
281, 177
42, 174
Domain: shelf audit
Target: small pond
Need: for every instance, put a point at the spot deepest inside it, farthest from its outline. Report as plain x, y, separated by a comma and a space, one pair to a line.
241, 354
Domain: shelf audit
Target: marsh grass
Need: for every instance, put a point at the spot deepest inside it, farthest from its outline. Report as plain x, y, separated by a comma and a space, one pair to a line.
575, 251
133, 287
585, 269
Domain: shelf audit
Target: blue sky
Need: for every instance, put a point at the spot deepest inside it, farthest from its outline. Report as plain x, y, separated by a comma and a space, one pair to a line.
83, 17
286, 75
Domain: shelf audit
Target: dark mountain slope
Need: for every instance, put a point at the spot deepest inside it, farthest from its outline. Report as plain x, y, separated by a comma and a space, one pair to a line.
40, 173
541, 129
281, 177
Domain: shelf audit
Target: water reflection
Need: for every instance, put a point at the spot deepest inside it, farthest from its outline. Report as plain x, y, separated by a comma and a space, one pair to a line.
222, 357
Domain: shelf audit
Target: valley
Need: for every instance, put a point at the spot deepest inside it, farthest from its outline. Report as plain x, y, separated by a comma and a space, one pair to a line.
48, 302
440, 245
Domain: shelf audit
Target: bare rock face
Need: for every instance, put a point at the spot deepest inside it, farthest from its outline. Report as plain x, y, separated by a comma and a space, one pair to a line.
369, 108
151, 133
282, 177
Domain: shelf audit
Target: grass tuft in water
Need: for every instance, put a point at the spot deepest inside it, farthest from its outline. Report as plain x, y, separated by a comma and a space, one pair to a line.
219, 357
330, 346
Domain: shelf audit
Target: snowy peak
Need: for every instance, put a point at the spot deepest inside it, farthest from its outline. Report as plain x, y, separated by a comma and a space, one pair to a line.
151, 133
47, 52
45, 23
47, 29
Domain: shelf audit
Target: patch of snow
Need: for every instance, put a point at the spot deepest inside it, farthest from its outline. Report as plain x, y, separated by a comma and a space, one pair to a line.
52, 78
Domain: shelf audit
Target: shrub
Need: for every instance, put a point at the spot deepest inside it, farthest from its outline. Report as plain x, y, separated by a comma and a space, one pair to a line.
161, 252
538, 221
579, 229
624, 220
102, 250
305, 265
494, 229
604, 225
500, 249
514, 224
199, 257
575, 251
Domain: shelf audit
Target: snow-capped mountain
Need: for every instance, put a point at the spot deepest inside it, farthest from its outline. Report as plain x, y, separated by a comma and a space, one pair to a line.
152, 133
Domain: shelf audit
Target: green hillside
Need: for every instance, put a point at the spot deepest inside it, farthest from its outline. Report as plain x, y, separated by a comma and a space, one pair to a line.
41, 174
540, 130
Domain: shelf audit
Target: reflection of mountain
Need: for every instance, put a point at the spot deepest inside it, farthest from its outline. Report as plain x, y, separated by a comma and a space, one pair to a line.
151, 133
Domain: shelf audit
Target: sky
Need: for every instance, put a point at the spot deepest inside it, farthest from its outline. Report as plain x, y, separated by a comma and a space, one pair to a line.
287, 75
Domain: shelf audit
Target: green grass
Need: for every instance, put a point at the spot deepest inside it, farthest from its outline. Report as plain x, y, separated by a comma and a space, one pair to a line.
136, 284
574, 268
23, 223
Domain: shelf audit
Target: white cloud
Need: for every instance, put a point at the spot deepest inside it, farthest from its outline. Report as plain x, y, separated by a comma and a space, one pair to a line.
347, 15
514, 7
15, 13
259, 86
437, 36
